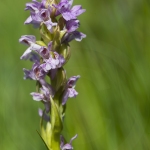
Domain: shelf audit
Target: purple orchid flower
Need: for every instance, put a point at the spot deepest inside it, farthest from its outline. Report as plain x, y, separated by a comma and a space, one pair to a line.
68, 13
28, 40
39, 14
67, 146
53, 62
44, 95
36, 73
78, 36
34, 8
70, 91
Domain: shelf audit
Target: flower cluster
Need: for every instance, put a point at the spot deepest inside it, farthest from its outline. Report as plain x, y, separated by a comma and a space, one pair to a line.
58, 26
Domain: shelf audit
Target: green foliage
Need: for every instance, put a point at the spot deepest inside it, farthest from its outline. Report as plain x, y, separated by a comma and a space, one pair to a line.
112, 110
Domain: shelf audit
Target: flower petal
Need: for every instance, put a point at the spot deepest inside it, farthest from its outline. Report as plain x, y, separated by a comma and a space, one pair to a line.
72, 92
67, 146
77, 10
26, 54
37, 96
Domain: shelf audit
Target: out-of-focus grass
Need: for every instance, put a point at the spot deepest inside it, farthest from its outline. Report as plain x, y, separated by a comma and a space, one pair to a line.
112, 109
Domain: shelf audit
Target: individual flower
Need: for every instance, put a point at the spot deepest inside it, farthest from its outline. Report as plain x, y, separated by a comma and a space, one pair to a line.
28, 40
67, 146
39, 14
76, 35
53, 62
35, 7
44, 94
68, 13
36, 73
70, 91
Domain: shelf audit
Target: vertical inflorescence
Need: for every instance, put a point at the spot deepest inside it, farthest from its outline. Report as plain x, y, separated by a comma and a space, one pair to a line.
58, 24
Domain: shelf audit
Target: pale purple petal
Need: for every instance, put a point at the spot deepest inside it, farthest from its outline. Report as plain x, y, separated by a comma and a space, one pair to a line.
28, 74
64, 8
44, 52
28, 20
46, 67
72, 25
49, 24
65, 97
37, 96
68, 16
31, 7
48, 86
72, 92
46, 92
26, 54
35, 47
78, 36
27, 39
62, 141
53, 63
40, 112
61, 61
67, 146
77, 10
36, 73
36, 17
50, 44
72, 81
35, 5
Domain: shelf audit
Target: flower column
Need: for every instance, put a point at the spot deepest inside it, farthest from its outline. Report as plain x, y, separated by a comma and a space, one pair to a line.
58, 24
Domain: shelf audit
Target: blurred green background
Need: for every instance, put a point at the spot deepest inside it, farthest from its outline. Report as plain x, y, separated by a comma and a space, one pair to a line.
112, 110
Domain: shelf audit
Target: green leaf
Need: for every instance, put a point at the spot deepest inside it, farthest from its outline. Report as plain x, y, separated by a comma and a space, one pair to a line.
60, 79
43, 140
56, 124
